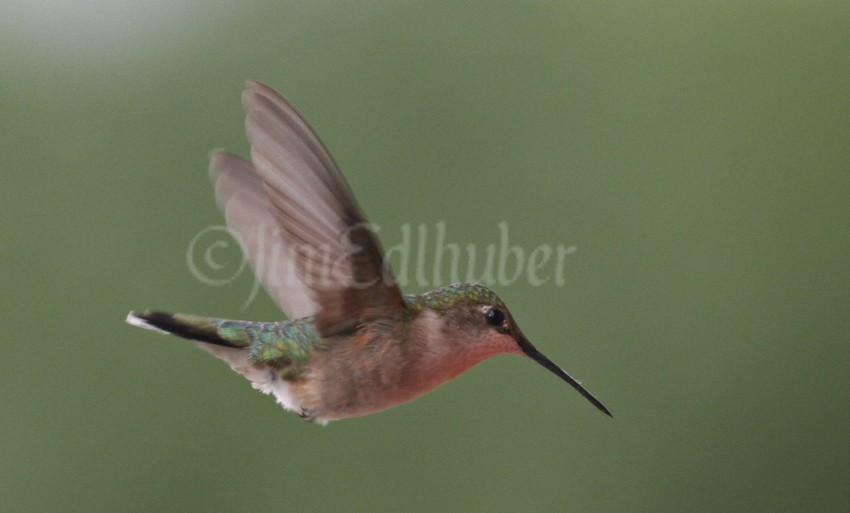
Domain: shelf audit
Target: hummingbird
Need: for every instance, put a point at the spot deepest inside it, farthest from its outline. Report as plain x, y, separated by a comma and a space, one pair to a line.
354, 344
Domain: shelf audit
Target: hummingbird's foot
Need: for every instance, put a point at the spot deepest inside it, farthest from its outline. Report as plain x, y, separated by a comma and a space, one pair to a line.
305, 415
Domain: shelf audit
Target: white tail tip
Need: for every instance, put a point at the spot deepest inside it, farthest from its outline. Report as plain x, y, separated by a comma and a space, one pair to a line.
134, 320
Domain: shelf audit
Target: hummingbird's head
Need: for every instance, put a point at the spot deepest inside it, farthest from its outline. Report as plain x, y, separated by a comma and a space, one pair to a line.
473, 315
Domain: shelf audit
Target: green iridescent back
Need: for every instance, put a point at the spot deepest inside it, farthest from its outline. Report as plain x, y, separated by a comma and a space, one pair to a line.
280, 344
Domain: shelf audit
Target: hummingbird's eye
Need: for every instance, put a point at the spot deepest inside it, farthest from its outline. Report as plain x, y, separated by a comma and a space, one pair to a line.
494, 317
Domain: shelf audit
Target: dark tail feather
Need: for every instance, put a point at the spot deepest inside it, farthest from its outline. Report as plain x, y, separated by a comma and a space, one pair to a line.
203, 329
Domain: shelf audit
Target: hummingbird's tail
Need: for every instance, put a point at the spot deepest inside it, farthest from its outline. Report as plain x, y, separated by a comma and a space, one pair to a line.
192, 327
225, 339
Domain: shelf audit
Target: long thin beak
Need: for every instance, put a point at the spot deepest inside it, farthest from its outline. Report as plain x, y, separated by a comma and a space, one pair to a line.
540, 358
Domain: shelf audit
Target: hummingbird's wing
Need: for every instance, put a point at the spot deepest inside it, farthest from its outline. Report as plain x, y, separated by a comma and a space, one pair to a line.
335, 249
249, 215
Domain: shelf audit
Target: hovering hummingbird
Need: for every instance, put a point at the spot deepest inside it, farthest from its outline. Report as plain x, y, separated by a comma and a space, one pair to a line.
355, 344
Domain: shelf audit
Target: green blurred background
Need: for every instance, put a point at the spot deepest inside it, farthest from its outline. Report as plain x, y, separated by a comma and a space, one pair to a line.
696, 155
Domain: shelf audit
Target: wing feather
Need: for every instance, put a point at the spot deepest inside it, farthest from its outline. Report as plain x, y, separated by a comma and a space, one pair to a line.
336, 253
249, 216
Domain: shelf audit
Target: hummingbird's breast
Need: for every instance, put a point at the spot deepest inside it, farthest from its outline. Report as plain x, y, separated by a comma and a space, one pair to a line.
357, 375
378, 367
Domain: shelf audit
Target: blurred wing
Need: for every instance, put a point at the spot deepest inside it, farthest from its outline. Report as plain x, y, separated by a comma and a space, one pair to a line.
338, 257
248, 212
